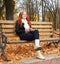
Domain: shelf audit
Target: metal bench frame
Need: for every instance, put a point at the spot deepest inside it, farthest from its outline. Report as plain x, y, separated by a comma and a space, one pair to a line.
3, 42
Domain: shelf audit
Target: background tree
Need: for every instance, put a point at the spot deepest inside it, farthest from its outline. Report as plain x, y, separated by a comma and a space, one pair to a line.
1, 9
7, 9
31, 6
51, 7
9, 6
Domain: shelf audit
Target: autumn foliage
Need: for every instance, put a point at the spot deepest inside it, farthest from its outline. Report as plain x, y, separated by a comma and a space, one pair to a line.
21, 51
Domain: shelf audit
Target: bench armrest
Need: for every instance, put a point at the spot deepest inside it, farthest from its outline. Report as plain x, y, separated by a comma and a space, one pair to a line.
4, 40
57, 33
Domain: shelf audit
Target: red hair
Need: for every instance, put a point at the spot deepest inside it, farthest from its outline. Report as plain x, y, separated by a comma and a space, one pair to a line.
20, 19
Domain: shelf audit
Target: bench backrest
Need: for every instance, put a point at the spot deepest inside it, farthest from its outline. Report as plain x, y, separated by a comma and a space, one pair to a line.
45, 28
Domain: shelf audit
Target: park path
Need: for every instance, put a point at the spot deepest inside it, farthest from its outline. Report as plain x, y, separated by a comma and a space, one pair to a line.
50, 59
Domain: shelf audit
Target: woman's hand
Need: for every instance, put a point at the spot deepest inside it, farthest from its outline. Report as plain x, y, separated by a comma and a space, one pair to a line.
31, 29
27, 30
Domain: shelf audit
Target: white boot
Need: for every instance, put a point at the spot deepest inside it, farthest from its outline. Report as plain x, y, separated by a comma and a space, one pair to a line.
38, 53
36, 43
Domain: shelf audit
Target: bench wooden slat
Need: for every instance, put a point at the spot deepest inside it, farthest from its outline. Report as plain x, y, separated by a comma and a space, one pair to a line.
10, 35
41, 26
13, 30
8, 26
41, 40
13, 34
41, 23
40, 30
45, 30
41, 34
8, 30
12, 26
7, 22
45, 34
13, 22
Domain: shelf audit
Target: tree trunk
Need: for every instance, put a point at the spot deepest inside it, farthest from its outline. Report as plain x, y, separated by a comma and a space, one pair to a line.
54, 22
9, 4
59, 23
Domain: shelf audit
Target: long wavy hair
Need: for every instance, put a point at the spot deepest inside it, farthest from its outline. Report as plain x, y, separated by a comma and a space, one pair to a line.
20, 19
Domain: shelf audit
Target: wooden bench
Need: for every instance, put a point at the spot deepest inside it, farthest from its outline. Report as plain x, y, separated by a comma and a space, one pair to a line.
45, 32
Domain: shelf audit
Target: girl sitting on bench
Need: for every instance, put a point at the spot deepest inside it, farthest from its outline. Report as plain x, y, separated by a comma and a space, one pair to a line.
25, 32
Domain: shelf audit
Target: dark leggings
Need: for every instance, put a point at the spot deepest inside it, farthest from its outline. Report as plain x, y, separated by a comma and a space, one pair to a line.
32, 35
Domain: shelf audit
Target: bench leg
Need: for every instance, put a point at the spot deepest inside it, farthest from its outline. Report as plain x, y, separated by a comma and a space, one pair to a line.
4, 55
56, 44
49, 44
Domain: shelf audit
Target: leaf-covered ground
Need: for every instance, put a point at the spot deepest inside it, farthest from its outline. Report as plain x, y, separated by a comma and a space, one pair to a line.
21, 51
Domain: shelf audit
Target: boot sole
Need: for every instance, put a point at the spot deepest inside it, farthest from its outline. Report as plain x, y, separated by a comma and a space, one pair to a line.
40, 58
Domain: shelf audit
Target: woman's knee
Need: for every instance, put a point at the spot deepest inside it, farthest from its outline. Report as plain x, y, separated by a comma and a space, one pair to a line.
36, 31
